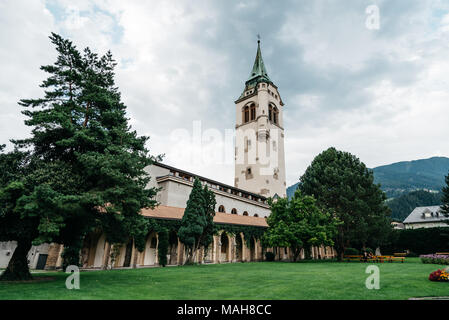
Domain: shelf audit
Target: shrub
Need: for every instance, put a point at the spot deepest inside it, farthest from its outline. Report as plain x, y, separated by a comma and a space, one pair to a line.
420, 241
269, 256
435, 258
369, 250
351, 252
163, 247
412, 255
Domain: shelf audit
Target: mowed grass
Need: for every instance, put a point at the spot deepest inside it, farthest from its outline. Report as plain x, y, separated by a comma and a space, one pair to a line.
259, 280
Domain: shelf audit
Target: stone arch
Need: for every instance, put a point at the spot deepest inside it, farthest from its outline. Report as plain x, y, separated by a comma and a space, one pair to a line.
224, 247
172, 256
234, 211
150, 250
245, 213
221, 208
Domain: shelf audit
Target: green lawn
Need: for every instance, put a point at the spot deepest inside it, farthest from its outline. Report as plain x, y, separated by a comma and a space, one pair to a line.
263, 280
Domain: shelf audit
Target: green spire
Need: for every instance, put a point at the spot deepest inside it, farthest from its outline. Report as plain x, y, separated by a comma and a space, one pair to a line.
259, 67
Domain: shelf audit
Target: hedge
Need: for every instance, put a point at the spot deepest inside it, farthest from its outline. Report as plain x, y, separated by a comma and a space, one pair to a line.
419, 241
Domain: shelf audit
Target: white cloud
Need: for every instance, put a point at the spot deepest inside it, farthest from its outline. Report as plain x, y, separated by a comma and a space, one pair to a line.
378, 94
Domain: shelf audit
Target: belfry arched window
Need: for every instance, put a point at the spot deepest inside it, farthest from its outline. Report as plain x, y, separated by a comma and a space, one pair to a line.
234, 211
221, 209
246, 114
253, 112
270, 113
275, 115
245, 213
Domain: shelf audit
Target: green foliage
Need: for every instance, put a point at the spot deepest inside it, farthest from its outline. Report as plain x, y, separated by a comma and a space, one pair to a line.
401, 207
197, 227
352, 252
419, 241
269, 256
84, 167
249, 232
163, 247
299, 224
343, 184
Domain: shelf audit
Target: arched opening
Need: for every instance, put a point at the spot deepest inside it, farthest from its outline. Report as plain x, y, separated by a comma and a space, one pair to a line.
246, 114
221, 209
172, 256
245, 213
224, 247
256, 215
253, 249
234, 211
238, 248
275, 115
150, 250
253, 112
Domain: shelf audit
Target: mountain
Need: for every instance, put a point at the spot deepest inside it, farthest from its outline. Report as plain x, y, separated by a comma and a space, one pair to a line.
402, 206
401, 178
291, 190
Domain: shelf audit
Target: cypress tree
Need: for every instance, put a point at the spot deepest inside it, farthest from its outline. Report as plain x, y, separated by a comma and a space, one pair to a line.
197, 226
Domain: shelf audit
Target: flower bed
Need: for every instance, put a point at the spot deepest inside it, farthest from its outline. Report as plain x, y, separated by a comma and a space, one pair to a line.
439, 275
435, 258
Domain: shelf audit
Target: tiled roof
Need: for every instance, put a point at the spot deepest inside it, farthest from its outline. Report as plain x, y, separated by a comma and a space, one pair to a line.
416, 216
166, 212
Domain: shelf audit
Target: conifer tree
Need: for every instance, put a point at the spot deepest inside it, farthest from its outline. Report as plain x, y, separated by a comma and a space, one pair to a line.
87, 164
197, 227
342, 184
445, 198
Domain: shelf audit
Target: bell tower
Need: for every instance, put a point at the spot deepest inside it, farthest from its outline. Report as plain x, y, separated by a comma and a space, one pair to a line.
259, 145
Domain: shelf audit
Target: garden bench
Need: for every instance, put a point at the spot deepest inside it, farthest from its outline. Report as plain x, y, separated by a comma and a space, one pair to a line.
381, 259
400, 254
359, 258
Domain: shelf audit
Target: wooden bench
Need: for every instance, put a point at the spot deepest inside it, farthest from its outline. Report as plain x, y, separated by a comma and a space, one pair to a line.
359, 258
379, 259
383, 259
400, 254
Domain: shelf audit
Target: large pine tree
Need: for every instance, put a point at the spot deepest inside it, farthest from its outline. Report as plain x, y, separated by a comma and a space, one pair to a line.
341, 183
88, 165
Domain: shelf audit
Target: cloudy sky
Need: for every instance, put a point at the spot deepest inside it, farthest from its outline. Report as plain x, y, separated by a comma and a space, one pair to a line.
382, 95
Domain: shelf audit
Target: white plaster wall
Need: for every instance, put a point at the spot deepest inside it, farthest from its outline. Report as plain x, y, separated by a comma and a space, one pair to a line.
177, 194
425, 225
7, 249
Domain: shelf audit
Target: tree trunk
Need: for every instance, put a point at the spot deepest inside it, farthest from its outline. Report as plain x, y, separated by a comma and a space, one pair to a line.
18, 265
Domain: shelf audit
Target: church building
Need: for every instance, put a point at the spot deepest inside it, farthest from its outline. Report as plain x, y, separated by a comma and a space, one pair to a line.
259, 174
